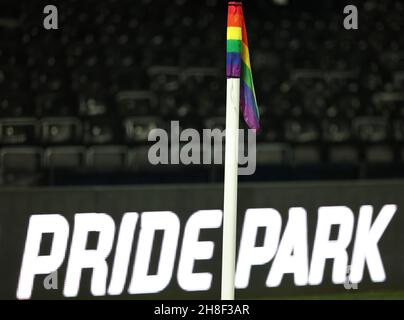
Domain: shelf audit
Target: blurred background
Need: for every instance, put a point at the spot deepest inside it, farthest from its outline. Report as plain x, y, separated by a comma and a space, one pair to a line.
77, 103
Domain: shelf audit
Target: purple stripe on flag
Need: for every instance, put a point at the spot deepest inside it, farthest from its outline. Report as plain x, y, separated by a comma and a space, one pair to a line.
249, 107
233, 65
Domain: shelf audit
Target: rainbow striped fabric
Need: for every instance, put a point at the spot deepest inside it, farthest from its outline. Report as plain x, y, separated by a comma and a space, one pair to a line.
238, 63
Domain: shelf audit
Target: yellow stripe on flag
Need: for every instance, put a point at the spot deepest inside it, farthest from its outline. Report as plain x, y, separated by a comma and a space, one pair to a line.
234, 33
245, 56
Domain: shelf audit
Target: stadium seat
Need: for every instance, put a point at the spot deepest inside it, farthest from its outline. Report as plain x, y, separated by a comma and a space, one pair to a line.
21, 159
68, 157
274, 154
61, 130
22, 131
370, 129
91, 106
137, 129
306, 154
136, 103
100, 131
107, 158
343, 154
379, 154
54, 104
165, 78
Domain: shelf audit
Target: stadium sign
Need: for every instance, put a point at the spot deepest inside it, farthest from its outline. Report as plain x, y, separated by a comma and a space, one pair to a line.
120, 260
293, 239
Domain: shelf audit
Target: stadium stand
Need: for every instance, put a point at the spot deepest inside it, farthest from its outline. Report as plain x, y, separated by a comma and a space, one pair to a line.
76, 104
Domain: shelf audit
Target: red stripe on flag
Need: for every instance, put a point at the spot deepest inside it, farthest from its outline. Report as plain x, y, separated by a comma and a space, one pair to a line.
234, 14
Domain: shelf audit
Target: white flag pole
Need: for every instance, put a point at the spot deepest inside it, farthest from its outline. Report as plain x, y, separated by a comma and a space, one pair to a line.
230, 189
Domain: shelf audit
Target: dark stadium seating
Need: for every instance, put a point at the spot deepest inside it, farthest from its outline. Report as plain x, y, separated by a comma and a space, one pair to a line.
80, 101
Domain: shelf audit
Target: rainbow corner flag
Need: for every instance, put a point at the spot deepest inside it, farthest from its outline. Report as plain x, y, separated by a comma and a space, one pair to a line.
238, 63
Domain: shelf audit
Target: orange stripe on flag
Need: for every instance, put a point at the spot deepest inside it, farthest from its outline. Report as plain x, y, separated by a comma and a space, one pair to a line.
234, 20
244, 34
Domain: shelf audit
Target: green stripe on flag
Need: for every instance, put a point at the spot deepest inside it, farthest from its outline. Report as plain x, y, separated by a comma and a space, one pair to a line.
246, 75
234, 46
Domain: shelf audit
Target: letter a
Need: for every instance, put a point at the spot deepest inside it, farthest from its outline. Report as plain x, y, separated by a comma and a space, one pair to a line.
51, 281
51, 20
351, 20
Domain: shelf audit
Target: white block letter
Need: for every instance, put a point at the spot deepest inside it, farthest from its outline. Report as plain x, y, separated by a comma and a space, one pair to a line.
250, 255
32, 262
292, 255
192, 250
141, 281
324, 248
122, 253
367, 237
81, 258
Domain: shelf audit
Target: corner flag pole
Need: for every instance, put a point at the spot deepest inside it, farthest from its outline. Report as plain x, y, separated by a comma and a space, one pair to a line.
230, 189
239, 80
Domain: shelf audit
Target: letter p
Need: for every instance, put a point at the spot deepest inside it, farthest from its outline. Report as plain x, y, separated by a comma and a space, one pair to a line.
33, 263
